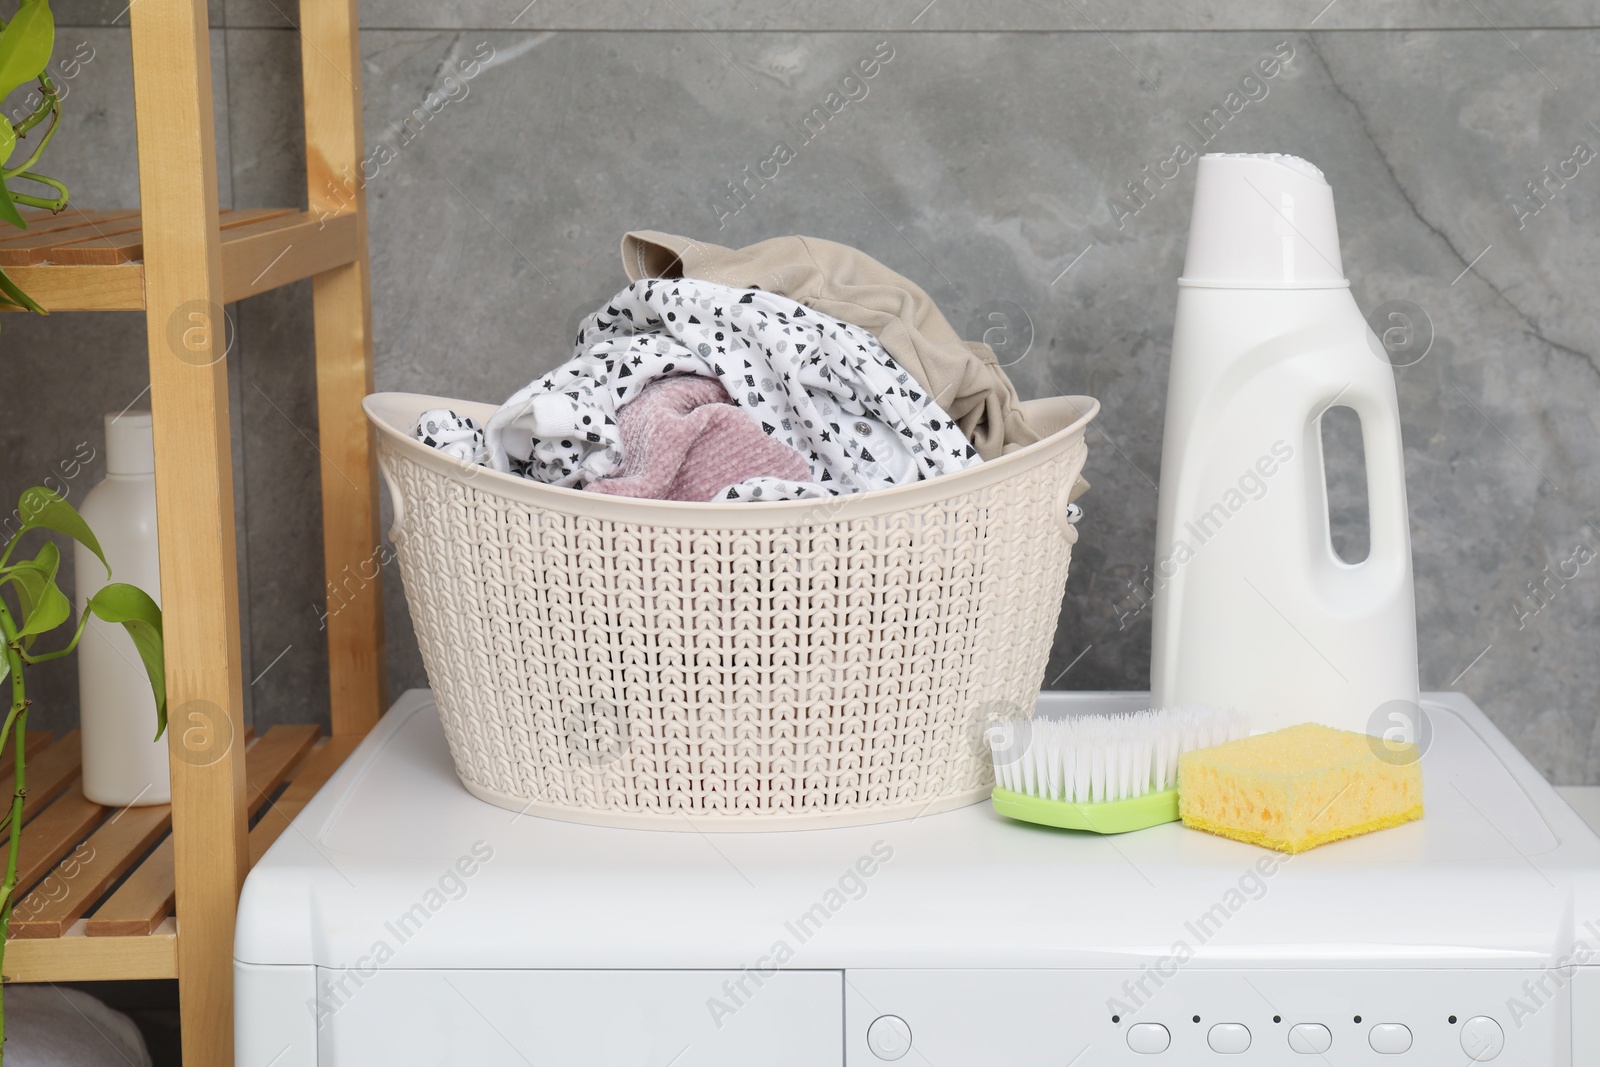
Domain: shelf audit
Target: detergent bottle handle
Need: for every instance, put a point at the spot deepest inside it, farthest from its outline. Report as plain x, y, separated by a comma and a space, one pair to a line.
1372, 398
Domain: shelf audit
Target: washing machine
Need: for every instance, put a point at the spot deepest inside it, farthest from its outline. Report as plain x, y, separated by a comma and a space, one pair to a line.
399, 920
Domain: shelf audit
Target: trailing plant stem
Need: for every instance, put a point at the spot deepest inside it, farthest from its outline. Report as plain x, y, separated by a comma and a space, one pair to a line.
49, 102
38, 149
56, 204
18, 721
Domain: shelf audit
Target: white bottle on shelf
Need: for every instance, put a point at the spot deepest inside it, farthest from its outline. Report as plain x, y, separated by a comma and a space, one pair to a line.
122, 763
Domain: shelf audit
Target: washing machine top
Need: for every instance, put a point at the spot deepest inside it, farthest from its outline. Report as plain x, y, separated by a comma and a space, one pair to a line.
395, 864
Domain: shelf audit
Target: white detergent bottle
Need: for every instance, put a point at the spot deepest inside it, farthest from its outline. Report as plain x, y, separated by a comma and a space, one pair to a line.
1254, 609
122, 763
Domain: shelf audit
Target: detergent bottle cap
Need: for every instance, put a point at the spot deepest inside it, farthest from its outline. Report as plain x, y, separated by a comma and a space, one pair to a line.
1262, 221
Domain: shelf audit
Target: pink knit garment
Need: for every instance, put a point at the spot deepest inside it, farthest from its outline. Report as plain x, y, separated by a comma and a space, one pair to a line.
682, 439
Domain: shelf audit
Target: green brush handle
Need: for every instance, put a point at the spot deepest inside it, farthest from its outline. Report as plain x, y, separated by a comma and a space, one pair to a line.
1106, 817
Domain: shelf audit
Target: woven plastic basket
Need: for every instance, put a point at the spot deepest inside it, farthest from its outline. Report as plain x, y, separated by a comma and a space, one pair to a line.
730, 666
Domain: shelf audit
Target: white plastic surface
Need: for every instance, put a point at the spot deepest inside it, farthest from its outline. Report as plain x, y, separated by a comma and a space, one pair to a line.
276, 1025
1230, 1039
1585, 800
1310, 1039
1585, 991
122, 763
1147, 1039
1450, 915
394, 821
1390, 1039
1482, 1039
1253, 607
1262, 220
478, 1018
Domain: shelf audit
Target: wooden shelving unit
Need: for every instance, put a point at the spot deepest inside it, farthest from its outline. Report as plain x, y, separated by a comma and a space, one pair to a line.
93, 260
152, 892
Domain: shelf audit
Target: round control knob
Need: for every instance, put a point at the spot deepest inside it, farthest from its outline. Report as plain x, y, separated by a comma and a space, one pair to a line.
1390, 1039
1148, 1038
889, 1037
1229, 1038
1310, 1039
1482, 1039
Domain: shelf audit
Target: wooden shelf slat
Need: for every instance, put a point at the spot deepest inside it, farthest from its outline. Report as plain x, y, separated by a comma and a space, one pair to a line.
45, 222
77, 958
77, 858
268, 761
54, 832
22, 247
129, 246
62, 899
312, 776
140, 903
262, 249
146, 897
37, 739
45, 247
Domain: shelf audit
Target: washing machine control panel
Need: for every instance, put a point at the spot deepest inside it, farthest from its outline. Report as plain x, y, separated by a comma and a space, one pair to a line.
1437, 1018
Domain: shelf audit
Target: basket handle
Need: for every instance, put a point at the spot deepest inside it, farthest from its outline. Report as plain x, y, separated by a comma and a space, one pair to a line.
396, 501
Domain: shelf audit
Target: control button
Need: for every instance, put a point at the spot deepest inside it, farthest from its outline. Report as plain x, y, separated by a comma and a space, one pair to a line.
1310, 1038
1391, 1039
889, 1037
1148, 1038
1482, 1039
1229, 1037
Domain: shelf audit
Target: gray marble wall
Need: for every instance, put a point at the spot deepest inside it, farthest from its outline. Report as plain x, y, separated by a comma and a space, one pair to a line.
987, 159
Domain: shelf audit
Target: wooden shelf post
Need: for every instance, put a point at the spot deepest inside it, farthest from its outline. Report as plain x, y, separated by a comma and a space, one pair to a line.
194, 506
330, 64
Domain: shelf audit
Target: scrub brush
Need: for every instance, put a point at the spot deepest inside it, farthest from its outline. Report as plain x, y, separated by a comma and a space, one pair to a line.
1105, 773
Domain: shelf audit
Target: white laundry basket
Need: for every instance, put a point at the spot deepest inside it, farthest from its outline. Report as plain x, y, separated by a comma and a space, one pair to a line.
748, 666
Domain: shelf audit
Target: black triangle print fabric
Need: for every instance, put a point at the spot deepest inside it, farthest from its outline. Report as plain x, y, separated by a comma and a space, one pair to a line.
457, 436
824, 387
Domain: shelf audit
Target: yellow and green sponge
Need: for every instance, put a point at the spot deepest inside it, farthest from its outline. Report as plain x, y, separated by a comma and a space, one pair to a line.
1300, 787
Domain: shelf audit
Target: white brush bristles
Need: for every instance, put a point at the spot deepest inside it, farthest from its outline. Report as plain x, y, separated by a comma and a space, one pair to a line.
1087, 759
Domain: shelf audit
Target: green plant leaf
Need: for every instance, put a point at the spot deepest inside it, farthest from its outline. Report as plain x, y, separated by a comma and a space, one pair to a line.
45, 509
29, 583
51, 608
29, 656
139, 615
32, 578
25, 45
8, 207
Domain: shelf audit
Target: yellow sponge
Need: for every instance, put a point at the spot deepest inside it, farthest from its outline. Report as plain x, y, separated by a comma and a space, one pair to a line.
1300, 787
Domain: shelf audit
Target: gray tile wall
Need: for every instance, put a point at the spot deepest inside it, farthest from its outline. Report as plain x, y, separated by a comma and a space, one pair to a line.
983, 161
